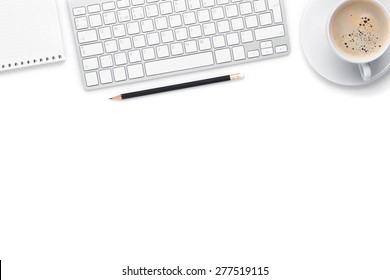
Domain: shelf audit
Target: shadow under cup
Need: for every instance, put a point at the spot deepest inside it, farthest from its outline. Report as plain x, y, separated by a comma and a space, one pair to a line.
359, 30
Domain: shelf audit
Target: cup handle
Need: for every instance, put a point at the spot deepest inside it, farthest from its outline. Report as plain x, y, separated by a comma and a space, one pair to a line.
365, 71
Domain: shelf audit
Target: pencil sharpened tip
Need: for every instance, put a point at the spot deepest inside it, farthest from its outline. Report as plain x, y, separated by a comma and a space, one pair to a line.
119, 97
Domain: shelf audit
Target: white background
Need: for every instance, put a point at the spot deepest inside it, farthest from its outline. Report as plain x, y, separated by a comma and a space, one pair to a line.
282, 170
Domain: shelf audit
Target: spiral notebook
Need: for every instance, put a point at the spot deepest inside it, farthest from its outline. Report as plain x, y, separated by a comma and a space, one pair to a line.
30, 34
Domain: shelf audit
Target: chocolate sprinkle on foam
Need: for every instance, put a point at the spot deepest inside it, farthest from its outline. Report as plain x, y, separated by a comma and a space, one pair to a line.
363, 39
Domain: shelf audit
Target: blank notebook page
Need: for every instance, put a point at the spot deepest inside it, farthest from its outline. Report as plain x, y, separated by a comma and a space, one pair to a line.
30, 34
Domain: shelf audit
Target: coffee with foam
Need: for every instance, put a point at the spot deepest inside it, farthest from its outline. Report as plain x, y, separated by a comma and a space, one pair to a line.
359, 29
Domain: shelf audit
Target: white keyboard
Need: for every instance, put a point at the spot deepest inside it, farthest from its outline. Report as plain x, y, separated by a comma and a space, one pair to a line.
126, 41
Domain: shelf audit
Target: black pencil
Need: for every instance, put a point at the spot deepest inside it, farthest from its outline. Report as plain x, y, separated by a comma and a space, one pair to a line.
179, 86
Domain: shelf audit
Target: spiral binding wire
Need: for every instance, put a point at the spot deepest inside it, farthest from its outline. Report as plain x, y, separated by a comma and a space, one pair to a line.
29, 62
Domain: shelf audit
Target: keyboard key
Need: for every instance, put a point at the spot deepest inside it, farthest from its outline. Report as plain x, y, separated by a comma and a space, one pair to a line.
180, 6
189, 18
175, 20
162, 51
223, 26
135, 56
106, 61
148, 54
223, 56
123, 15
147, 25
105, 76
281, 49
81, 23
269, 32
194, 4
238, 53
79, 11
204, 44
177, 49
95, 20
135, 71
246, 8
167, 36
237, 24
138, 13
87, 36
267, 51
265, 19
195, 31
153, 39
274, 5
152, 11
179, 63
209, 29
217, 13
267, 44
139, 41
109, 18
253, 54
161, 23
105, 33
123, 3
91, 79
133, 28
119, 30
251, 21
124, 44
137, 2
111, 46
233, 39
90, 64
166, 8
219, 41
190, 46
120, 58
91, 50
119, 74
208, 3
108, 6
231, 11
181, 34
203, 16
259, 6
93, 9
246, 36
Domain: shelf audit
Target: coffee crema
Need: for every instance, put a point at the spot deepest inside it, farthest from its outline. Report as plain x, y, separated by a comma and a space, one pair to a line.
360, 29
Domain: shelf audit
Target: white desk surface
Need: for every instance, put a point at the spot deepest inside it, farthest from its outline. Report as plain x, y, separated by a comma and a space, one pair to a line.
282, 170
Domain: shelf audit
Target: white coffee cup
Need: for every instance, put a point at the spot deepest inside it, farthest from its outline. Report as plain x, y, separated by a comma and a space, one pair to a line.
362, 62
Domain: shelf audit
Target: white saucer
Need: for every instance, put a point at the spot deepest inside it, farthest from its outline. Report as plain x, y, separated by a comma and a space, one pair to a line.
320, 55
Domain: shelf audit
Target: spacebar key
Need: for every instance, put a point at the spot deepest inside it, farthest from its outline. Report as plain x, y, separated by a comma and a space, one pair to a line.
179, 63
